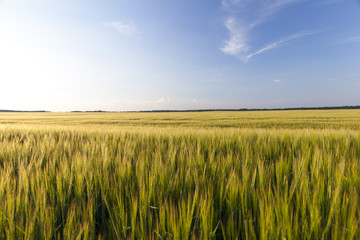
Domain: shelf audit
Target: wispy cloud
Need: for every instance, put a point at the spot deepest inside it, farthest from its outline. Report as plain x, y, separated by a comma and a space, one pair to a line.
278, 44
326, 2
237, 45
351, 40
243, 17
277, 80
127, 29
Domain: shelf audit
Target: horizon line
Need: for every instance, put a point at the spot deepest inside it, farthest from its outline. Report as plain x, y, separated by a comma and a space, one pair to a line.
191, 110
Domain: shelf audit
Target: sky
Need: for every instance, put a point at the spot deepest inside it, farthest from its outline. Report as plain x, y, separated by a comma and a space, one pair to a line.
122, 55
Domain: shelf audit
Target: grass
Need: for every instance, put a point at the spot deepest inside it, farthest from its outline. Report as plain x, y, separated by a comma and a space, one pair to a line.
211, 175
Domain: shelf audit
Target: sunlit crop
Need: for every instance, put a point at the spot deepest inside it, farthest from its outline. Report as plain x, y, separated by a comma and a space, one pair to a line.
210, 175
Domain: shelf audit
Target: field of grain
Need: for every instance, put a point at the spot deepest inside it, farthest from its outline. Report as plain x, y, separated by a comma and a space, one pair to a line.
200, 175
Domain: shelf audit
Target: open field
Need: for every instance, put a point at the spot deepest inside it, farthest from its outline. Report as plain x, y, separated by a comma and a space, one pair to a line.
320, 119
200, 175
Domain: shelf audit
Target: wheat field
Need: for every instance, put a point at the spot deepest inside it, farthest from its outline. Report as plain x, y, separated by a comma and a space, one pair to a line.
198, 175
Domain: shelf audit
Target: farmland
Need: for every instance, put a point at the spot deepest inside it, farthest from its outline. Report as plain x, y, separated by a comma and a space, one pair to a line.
198, 175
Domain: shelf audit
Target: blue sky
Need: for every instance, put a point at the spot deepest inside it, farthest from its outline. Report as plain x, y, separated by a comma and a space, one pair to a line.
63, 55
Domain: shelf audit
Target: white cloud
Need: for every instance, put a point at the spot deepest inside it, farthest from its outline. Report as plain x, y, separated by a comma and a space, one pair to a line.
278, 44
243, 17
277, 80
194, 100
126, 29
237, 44
164, 100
